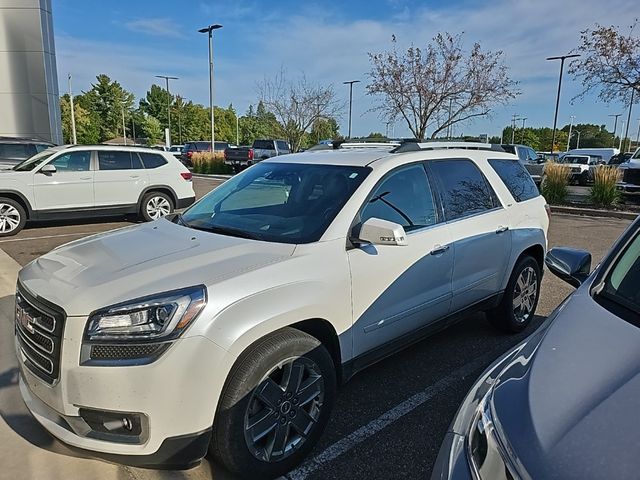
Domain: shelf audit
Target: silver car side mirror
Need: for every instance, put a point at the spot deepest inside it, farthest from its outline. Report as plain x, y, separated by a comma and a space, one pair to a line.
376, 231
48, 169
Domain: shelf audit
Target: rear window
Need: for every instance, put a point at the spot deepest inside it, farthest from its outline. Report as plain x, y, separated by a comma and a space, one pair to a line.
201, 145
18, 151
516, 179
152, 160
282, 145
108, 160
264, 144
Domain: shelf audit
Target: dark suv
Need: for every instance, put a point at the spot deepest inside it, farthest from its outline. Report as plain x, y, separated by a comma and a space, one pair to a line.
14, 150
201, 146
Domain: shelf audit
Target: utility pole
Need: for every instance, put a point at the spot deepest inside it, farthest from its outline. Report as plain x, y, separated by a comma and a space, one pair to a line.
522, 137
514, 119
124, 129
638, 136
73, 115
209, 30
620, 142
350, 83
167, 78
615, 127
626, 133
237, 130
570, 128
562, 58
578, 144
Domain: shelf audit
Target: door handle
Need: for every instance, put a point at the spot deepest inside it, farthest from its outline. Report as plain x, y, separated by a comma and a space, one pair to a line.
502, 229
438, 249
134, 176
85, 178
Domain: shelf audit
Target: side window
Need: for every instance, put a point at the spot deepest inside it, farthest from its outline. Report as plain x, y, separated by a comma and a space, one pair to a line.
403, 197
465, 191
113, 160
73, 162
40, 147
152, 160
283, 145
522, 154
516, 178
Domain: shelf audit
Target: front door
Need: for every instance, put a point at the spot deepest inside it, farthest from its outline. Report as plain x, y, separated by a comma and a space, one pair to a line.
70, 187
398, 289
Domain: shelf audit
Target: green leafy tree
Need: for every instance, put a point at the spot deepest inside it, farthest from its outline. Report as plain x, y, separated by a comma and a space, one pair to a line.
106, 100
152, 129
87, 130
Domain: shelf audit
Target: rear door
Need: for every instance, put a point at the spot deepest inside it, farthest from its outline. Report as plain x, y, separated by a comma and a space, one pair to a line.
70, 187
119, 179
479, 227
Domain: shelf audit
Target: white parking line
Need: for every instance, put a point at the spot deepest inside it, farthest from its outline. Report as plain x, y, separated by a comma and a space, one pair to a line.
60, 235
363, 433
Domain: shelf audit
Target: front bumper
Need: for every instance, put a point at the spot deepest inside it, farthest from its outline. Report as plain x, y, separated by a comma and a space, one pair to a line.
175, 397
628, 188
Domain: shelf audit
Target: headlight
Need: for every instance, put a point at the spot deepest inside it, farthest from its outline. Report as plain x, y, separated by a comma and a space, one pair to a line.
141, 329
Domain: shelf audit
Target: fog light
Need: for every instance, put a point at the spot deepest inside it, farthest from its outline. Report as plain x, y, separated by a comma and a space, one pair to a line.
113, 423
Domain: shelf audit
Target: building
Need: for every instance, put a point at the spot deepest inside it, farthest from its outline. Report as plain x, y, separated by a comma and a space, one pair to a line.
29, 99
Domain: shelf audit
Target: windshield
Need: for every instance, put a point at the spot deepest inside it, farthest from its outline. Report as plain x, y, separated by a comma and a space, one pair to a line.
277, 202
32, 162
575, 160
637, 154
621, 284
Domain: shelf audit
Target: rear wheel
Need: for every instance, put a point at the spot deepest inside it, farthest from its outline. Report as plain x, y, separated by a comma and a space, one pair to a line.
12, 217
520, 298
155, 205
275, 405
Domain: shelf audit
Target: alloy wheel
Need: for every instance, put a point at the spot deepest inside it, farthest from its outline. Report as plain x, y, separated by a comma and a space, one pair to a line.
524, 294
158, 207
283, 409
9, 218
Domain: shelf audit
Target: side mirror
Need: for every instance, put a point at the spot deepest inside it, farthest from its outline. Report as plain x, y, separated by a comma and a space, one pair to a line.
569, 264
48, 169
376, 231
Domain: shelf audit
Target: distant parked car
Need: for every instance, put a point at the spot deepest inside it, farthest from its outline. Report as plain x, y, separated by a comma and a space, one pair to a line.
581, 167
193, 147
533, 162
242, 157
80, 181
604, 154
630, 169
620, 158
14, 150
548, 156
563, 404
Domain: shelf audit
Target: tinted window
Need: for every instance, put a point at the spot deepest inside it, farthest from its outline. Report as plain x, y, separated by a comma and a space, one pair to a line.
73, 162
151, 160
16, 150
509, 149
201, 146
264, 144
41, 148
108, 160
283, 145
221, 145
621, 284
404, 197
464, 189
516, 178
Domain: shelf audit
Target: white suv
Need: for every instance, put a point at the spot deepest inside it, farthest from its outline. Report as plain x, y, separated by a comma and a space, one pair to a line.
86, 181
228, 328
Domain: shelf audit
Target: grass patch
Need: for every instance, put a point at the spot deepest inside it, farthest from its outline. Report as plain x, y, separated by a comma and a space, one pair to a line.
604, 192
555, 182
210, 163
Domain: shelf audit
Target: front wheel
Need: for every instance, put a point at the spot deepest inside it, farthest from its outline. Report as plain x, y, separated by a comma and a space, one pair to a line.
520, 298
155, 205
275, 405
12, 217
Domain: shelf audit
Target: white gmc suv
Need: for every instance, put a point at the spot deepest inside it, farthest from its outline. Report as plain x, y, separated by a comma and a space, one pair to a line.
86, 181
228, 328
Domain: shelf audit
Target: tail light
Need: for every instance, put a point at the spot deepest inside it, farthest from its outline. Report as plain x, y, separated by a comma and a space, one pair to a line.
547, 209
186, 175
225, 155
189, 153
251, 154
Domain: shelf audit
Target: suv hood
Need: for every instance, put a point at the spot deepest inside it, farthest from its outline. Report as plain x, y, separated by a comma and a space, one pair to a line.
124, 264
570, 409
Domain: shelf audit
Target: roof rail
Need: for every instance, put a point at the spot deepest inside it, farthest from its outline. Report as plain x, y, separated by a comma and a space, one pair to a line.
355, 145
426, 146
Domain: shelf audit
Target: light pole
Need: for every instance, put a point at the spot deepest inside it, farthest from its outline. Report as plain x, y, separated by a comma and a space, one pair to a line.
562, 58
578, 143
237, 130
638, 136
73, 115
615, 127
209, 31
514, 119
167, 78
573, 117
620, 142
522, 137
626, 133
350, 83
124, 129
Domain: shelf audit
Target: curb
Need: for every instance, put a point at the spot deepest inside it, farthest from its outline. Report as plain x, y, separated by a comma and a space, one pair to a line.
594, 212
214, 176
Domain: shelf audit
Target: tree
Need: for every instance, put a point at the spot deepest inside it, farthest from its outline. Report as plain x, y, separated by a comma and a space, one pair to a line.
87, 131
152, 129
609, 63
296, 104
155, 104
106, 100
439, 85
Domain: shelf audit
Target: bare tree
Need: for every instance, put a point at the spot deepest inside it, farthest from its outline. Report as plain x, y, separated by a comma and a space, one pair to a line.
297, 104
440, 85
609, 63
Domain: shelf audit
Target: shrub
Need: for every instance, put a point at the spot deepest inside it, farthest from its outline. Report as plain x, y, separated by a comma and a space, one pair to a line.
208, 163
604, 192
554, 183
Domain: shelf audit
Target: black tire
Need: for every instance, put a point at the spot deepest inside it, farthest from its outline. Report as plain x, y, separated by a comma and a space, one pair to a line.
13, 217
163, 206
504, 316
231, 444
583, 179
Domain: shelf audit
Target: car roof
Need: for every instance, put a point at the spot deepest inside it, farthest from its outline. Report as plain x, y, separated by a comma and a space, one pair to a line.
24, 140
134, 148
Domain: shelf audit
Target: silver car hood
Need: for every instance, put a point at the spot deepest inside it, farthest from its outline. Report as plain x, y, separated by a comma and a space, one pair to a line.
124, 264
570, 408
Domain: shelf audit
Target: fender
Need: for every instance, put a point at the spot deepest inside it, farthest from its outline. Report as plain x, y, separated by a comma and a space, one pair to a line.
174, 196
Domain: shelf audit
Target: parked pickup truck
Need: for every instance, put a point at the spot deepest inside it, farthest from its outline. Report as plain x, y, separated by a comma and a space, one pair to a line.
242, 157
630, 169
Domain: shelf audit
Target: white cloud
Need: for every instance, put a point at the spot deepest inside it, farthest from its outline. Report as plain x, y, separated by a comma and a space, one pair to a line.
160, 27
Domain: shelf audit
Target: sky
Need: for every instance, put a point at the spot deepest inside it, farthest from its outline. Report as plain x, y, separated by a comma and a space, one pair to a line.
329, 41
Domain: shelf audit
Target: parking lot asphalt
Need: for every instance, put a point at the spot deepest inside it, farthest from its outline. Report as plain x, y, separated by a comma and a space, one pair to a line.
389, 420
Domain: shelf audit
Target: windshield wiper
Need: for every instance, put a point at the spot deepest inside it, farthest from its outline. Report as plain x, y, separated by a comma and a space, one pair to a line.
230, 231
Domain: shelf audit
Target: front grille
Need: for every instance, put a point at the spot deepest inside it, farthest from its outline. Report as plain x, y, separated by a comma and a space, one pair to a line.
38, 329
631, 175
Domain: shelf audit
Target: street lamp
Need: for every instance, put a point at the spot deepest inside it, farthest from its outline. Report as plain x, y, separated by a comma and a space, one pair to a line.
522, 137
573, 117
209, 30
562, 58
615, 126
350, 83
167, 78
578, 142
